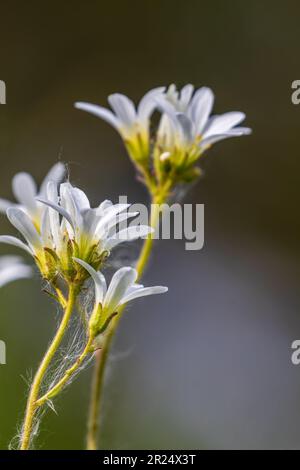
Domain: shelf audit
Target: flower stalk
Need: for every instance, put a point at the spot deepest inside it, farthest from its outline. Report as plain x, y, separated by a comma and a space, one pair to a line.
97, 389
94, 412
32, 404
71, 371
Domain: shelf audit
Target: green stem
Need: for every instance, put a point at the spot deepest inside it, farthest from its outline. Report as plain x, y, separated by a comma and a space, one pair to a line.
68, 374
36, 384
96, 392
148, 243
102, 355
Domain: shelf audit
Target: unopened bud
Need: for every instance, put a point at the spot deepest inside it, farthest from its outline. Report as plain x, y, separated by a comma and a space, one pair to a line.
164, 156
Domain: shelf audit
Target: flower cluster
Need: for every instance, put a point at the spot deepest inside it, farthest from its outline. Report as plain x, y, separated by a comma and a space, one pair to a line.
70, 240
186, 129
70, 228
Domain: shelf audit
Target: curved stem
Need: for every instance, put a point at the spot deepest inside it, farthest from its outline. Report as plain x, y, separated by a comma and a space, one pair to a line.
68, 374
102, 355
61, 298
32, 406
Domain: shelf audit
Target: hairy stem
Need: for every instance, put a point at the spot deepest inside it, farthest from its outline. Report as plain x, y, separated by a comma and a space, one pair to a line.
32, 406
102, 355
67, 375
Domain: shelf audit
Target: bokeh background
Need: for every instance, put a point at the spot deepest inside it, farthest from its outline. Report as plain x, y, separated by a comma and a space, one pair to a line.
208, 365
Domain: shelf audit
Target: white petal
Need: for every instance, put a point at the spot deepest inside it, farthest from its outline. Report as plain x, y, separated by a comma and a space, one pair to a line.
59, 209
167, 131
128, 234
100, 112
46, 235
13, 271
5, 204
165, 106
23, 223
148, 104
187, 128
134, 288
69, 201
172, 94
54, 222
223, 123
124, 108
236, 132
121, 281
7, 260
90, 219
80, 199
205, 143
201, 107
144, 292
98, 278
185, 96
105, 205
9, 240
120, 218
25, 191
110, 215
56, 174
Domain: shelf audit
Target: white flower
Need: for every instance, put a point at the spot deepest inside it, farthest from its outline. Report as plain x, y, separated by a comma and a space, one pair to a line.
90, 227
185, 131
132, 123
121, 290
81, 231
26, 192
186, 120
13, 268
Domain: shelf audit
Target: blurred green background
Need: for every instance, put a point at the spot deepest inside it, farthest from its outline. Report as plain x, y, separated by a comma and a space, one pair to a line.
208, 365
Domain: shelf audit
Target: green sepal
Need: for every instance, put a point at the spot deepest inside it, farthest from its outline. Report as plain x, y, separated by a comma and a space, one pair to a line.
52, 254
190, 175
99, 339
107, 322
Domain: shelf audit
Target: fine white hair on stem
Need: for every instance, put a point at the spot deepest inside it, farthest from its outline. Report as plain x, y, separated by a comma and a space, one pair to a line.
74, 343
